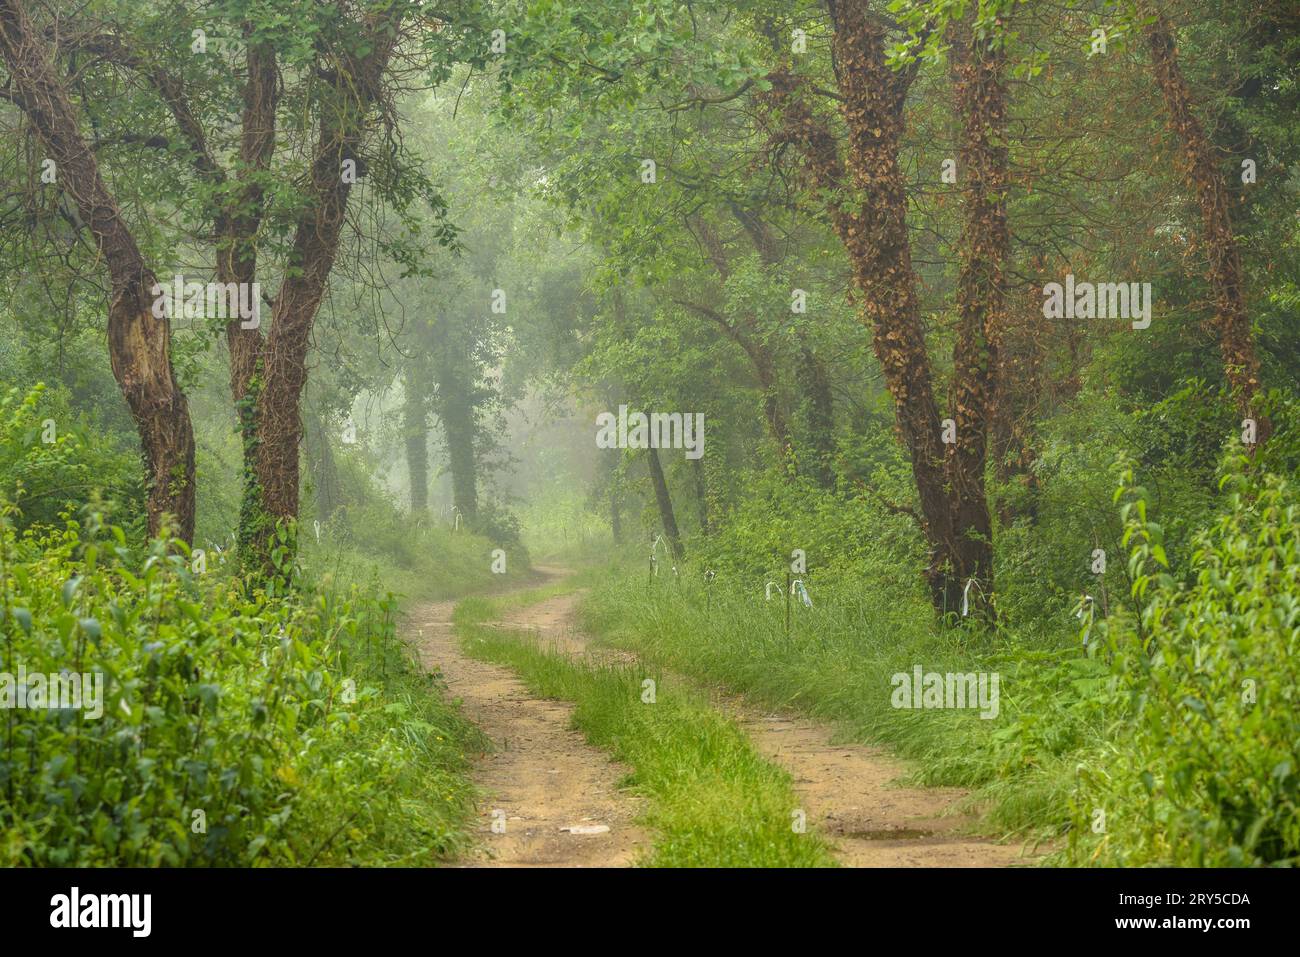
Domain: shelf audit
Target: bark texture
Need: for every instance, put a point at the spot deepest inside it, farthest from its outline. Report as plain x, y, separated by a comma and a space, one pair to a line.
867, 203
1231, 321
355, 88
977, 70
139, 343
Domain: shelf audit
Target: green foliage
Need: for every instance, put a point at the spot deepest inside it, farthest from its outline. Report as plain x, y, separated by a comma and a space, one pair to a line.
1045, 553
1205, 765
53, 459
498, 524
298, 728
841, 536
421, 559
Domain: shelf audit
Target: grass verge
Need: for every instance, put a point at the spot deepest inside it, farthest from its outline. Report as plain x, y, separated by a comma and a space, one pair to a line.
837, 662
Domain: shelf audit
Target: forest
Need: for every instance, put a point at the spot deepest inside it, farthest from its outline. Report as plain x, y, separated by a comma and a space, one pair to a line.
649, 433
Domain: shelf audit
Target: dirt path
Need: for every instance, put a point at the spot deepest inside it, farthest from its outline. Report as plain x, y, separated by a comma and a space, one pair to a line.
845, 790
557, 795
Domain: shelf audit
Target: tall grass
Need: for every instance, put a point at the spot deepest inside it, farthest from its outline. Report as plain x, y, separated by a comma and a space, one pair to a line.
836, 663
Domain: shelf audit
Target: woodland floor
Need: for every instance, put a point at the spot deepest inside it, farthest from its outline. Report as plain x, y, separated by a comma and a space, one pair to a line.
548, 780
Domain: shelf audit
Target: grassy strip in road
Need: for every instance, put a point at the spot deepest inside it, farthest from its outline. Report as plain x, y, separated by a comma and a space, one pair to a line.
713, 801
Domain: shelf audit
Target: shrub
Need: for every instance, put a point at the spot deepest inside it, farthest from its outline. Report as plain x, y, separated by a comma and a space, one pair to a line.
234, 731
52, 459
1208, 772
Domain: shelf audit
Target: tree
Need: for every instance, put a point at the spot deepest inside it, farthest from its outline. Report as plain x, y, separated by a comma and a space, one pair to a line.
1223, 268
664, 502
139, 341
415, 427
978, 65
311, 114
867, 205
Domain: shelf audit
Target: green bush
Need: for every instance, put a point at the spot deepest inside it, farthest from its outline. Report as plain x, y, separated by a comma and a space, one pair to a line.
52, 459
234, 731
1204, 769
1044, 554
845, 538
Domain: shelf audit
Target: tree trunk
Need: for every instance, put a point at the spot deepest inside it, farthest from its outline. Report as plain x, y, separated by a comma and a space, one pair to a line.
139, 343
1019, 395
456, 410
701, 494
1240, 360
819, 416
315, 244
665, 502
873, 229
765, 368
415, 424
876, 238
880, 251
284, 356
237, 226
985, 248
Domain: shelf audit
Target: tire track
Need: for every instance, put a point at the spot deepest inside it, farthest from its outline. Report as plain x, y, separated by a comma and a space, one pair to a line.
847, 791
557, 796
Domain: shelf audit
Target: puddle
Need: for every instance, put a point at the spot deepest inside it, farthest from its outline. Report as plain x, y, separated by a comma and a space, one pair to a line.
892, 834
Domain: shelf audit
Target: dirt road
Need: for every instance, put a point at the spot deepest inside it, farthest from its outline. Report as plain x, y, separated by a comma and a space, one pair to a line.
551, 799
547, 777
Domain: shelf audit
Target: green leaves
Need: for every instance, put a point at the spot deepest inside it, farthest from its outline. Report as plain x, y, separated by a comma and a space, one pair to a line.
191, 699
1213, 736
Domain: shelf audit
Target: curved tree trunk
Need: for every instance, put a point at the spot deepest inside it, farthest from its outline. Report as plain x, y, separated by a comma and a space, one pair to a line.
879, 247
284, 355
344, 113
873, 229
139, 343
